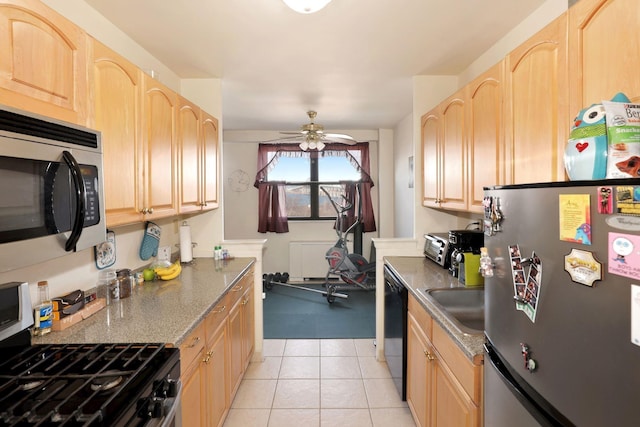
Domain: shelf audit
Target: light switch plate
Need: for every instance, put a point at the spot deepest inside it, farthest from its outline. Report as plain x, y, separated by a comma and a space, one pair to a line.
164, 253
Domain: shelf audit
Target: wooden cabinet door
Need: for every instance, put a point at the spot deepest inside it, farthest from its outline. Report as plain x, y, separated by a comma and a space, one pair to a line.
117, 89
160, 150
452, 407
236, 362
537, 123
217, 396
430, 125
604, 54
453, 153
43, 66
484, 131
193, 391
418, 373
210, 159
188, 137
248, 327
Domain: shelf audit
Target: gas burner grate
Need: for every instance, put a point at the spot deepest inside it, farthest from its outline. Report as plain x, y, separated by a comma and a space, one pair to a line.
78, 385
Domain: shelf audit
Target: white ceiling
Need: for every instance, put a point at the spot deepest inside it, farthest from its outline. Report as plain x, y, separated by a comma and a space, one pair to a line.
352, 62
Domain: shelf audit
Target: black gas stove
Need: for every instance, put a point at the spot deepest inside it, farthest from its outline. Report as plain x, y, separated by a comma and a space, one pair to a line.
86, 384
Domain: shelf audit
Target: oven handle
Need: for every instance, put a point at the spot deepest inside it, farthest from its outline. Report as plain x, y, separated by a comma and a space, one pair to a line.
173, 418
78, 221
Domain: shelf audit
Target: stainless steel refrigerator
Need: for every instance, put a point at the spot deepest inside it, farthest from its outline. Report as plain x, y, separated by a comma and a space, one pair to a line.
562, 304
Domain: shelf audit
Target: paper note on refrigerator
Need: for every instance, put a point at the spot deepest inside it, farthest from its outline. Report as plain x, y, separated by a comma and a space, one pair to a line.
575, 218
635, 314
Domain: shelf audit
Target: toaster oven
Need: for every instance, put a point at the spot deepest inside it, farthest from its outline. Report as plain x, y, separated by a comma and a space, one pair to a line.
437, 248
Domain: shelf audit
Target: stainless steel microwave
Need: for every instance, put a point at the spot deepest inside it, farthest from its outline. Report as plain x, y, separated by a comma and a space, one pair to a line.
51, 189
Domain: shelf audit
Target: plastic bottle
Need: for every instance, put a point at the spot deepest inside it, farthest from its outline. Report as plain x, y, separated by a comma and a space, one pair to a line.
44, 310
217, 252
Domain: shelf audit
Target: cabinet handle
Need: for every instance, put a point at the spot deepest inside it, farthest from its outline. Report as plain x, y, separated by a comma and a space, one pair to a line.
143, 211
245, 301
222, 309
208, 358
237, 288
194, 342
430, 357
150, 210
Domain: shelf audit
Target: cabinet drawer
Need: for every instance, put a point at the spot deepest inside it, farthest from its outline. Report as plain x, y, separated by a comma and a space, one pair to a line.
468, 374
192, 346
217, 316
240, 287
421, 315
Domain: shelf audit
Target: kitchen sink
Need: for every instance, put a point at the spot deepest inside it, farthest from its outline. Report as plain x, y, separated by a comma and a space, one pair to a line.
464, 307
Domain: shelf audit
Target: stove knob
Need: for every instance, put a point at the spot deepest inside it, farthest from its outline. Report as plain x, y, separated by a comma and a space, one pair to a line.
144, 407
172, 388
156, 410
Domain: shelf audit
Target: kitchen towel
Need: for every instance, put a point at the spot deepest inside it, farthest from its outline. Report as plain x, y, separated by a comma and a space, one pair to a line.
186, 247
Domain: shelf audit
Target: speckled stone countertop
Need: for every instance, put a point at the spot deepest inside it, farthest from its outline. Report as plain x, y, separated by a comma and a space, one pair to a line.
421, 273
158, 312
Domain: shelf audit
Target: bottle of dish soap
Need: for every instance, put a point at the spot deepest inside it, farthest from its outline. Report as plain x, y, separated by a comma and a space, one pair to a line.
43, 311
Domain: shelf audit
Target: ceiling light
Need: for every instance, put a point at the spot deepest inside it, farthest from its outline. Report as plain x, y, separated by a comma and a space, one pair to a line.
304, 145
306, 6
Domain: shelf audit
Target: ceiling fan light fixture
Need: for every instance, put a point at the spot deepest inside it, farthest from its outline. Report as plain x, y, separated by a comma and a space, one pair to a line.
306, 6
320, 145
304, 145
313, 145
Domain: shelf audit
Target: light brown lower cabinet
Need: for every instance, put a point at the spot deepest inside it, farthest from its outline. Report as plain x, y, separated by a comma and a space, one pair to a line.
215, 356
444, 388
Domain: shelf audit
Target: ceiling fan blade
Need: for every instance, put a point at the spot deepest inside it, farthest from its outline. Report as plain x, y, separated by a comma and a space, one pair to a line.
294, 138
291, 132
339, 135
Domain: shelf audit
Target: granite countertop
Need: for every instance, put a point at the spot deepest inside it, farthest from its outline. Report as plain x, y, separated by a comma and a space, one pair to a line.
420, 273
159, 311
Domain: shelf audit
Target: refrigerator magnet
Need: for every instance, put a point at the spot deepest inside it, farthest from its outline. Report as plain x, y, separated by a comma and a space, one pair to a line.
624, 255
605, 200
575, 218
628, 200
583, 267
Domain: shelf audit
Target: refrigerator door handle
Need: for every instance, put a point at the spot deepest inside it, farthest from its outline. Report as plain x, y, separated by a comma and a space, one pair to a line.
547, 417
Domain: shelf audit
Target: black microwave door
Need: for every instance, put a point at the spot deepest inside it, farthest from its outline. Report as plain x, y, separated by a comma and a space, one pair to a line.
37, 201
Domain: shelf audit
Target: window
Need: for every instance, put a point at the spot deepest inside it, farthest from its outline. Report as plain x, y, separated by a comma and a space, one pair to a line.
305, 172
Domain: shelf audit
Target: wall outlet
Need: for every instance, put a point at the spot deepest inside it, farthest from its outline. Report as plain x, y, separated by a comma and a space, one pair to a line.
164, 253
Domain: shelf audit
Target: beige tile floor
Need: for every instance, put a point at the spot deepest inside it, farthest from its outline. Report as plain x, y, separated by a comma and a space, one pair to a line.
318, 383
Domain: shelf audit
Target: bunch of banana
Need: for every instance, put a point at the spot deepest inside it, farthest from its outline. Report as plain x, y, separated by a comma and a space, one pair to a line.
169, 273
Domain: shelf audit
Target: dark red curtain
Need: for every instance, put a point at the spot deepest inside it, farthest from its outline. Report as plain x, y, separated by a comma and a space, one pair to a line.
272, 213
272, 209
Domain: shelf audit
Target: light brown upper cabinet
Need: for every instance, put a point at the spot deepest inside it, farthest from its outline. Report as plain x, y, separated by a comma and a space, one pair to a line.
604, 54
198, 142
484, 134
43, 65
189, 146
443, 155
160, 148
536, 119
210, 154
118, 87
430, 130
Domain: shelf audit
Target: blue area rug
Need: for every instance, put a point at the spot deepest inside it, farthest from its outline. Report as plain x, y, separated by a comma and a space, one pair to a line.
296, 313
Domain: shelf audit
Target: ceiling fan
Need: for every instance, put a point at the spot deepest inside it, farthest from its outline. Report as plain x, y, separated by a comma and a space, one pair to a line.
312, 136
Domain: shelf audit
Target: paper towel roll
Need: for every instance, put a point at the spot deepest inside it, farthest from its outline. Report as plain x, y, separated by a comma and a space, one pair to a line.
186, 248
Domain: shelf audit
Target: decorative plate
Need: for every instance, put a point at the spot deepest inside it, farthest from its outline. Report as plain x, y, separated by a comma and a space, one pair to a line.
105, 252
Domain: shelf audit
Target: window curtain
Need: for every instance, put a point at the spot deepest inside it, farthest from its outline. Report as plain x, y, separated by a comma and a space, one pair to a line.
272, 208
272, 212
